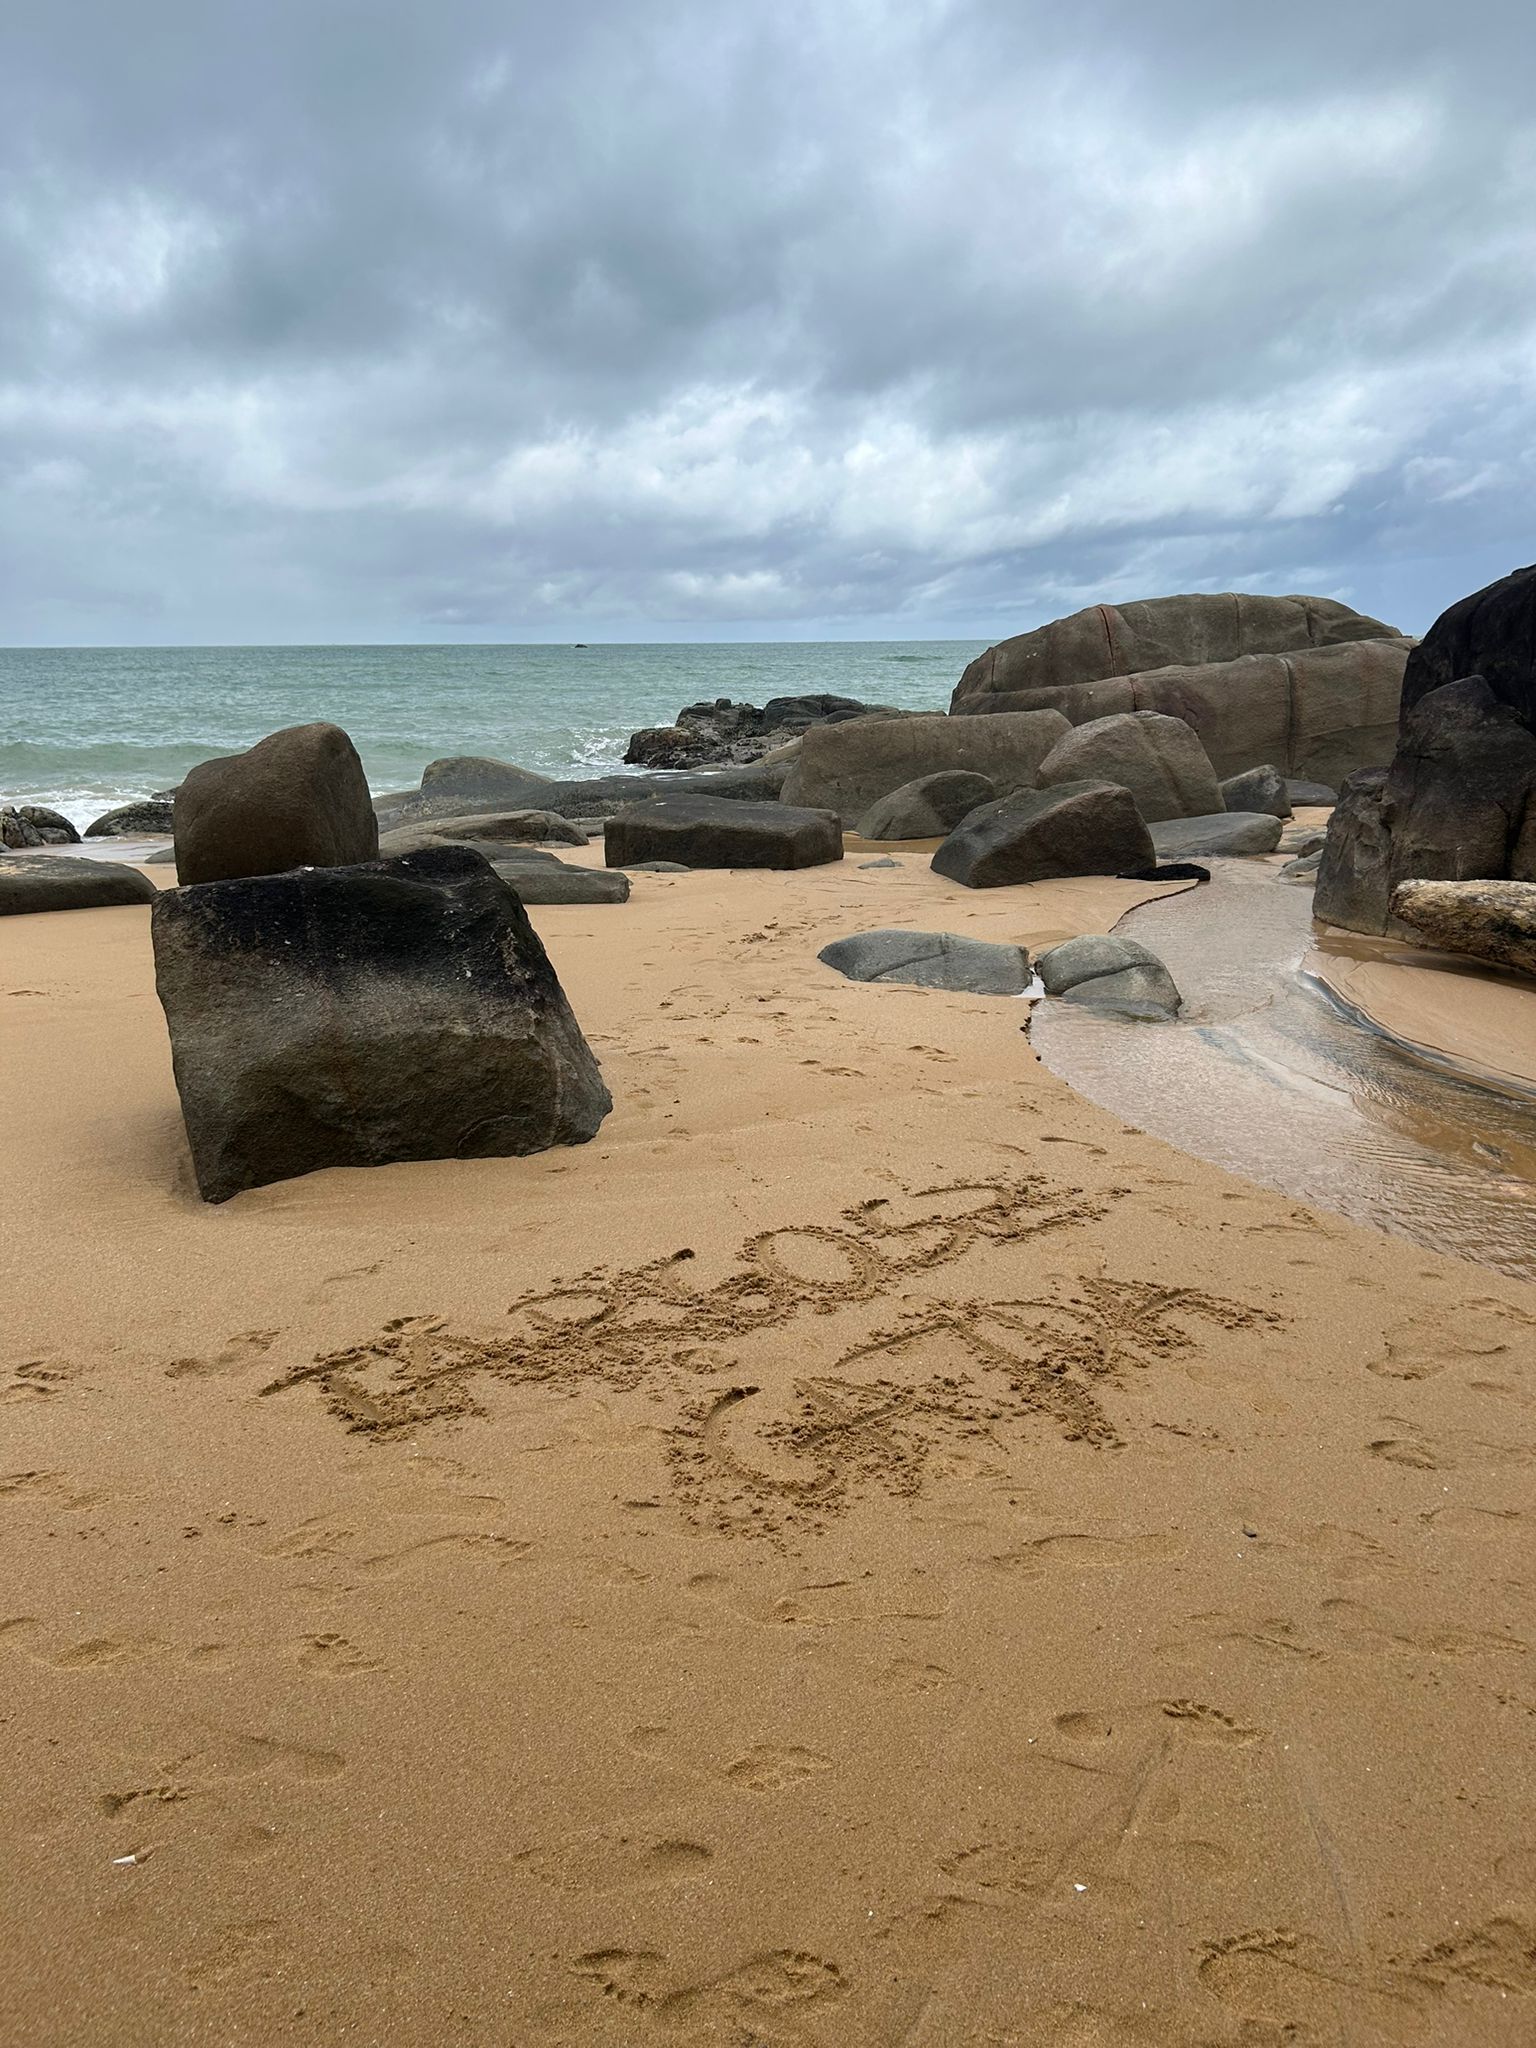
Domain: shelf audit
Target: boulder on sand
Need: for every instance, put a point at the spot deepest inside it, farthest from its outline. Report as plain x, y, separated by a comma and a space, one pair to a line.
845, 768
1158, 759
465, 784
1257, 789
704, 832
928, 807
1457, 804
1493, 921
42, 881
556, 881
1039, 835
1224, 833
398, 1009
517, 828
146, 819
1110, 973
298, 798
24, 825
931, 960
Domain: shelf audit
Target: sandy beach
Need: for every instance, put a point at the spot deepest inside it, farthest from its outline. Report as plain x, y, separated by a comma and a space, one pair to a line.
869, 1550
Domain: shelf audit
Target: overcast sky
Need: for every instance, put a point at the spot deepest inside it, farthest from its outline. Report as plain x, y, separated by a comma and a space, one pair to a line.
355, 319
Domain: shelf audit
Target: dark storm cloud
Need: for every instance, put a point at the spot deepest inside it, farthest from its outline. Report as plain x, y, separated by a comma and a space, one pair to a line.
346, 320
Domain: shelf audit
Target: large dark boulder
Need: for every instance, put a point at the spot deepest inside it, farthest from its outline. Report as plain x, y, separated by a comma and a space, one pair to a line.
1457, 804
24, 825
146, 819
398, 1009
928, 807
1158, 759
557, 881
298, 798
1039, 835
45, 881
723, 732
931, 960
16, 832
1491, 634
704, 832
1224, 834
1301, 682
846, 768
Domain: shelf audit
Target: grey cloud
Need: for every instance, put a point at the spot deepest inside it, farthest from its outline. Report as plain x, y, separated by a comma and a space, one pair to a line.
389, 320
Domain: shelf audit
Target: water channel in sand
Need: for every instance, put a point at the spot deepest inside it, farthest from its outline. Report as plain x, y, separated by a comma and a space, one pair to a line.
1267, 1074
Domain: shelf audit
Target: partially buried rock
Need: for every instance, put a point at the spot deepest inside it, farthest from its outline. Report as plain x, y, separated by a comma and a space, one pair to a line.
928, 807
555, 881
1157, 758
1111, 974
1257, 789
146, 819
711, 832
399, 1009
931, 960
1039, 835
42, 881
1225, 833
1319, 794
1493, 921
298, 798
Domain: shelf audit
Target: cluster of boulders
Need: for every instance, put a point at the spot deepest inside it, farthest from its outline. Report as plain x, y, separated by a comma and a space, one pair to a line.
725, 734
28, 825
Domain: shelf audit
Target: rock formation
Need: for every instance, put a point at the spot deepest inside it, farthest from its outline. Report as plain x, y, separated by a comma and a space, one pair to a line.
298, 798
1158, 759
706, 832
846, 768
1038, 835
1493, 921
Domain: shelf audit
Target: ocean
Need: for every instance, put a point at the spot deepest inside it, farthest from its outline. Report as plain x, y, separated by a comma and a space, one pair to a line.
84, 729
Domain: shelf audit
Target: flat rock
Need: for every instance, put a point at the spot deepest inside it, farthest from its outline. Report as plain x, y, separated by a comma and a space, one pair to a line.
555, 881
1110, 973
529, 828
397, 1009
1225, 833
298, 798
1157, 758
706, 832
143, 820
1257, 789
42, 881
884, 861
1319, 795
1038, 835
657, 867
1493, 921
466, 784
1303, 869
931, 960
928, 807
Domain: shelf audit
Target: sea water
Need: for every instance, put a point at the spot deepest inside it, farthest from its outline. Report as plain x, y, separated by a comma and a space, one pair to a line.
84, 729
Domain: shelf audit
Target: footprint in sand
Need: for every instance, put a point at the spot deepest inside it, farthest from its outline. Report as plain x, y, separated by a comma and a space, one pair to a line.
334, 1656
238, 1352
615, 1860
756, 1990
1076, 1551
774, 1767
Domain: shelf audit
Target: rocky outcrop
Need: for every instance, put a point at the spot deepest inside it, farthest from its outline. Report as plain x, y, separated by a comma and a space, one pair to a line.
931, 960
1038, 835
298, 798
517, 828
1112, 974
1257, 789
1457, 804
24, 825
1158, 759
705, 832
464, 785
725, 733
926, 808
1223, 834
846, 768
398, 1009
17, 832
41, 881
1493, 921
1491, 634
149, 818
1303, 683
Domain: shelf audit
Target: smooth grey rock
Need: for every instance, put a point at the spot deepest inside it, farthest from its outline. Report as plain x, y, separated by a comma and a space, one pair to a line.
1458, 804
657, 867
928, 807
1038, 835
298, 798
554, 881
847, 768
43, 881
931, 960
1257, 789
884, 861
1299, 844
464, 785
1303, 869
1493, 921
143, 820
399, 1009
1226, 833
1110, 973
1158, 759
704, 832
1318, 795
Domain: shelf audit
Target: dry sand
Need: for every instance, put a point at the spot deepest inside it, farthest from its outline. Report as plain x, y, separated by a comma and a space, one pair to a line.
870, 1550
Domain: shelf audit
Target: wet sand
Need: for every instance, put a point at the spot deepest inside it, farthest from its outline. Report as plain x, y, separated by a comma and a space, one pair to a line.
870, 1550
